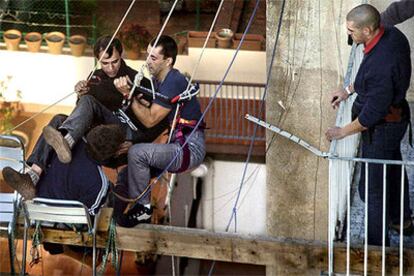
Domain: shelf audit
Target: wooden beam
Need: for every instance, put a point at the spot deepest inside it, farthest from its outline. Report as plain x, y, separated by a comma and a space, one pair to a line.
287, 255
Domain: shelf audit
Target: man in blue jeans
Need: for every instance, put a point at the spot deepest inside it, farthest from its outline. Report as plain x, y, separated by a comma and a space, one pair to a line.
143, 157
380, 112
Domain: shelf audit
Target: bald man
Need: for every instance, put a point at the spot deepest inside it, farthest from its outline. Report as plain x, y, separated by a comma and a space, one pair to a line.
380, 112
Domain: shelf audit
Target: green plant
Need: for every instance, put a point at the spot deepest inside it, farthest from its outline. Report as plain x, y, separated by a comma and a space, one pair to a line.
134, 36
9, 103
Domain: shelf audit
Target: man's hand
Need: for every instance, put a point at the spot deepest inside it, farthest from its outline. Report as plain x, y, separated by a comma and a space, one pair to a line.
123, 148
81, 88
334, 133
122, 84
337, 97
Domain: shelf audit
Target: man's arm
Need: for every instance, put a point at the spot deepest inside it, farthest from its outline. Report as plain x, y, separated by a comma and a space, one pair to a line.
148, 115
336, 133
398, 12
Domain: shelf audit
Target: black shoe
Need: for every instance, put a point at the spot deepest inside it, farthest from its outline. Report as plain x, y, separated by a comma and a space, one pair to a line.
138, 214
20, 182
408, 228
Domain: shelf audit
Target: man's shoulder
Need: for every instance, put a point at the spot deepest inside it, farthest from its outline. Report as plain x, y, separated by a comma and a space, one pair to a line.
175, 77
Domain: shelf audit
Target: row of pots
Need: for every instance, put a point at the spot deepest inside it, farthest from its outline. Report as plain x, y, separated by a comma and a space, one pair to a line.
54, 40
225, 38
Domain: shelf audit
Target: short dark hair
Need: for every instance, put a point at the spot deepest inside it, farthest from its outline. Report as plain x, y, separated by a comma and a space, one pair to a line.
102, 43
365, 15
103, 141
169, 47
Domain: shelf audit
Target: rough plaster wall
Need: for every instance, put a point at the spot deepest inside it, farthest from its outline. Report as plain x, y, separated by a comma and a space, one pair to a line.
310, 60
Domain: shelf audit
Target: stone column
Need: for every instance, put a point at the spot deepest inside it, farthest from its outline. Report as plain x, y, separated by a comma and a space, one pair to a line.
310, 63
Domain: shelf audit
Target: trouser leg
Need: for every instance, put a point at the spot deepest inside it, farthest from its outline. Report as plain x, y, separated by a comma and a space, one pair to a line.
87, 113
42, 151
144, 157
383, 143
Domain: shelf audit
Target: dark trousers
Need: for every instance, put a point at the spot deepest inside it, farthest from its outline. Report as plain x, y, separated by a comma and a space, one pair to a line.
41, 151
383, 142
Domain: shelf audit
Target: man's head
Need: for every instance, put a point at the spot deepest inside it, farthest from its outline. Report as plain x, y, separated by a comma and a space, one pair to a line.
362, 23
111, 62
163, 56
103, 141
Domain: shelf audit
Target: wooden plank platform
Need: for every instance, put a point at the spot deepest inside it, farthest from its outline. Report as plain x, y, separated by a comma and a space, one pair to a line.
292, 256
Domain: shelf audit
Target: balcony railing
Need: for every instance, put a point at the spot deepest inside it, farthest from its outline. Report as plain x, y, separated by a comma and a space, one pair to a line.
225, 120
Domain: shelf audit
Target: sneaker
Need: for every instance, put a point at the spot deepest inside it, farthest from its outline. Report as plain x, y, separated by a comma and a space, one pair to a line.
20, 182
56, 140
138, 214
408, 228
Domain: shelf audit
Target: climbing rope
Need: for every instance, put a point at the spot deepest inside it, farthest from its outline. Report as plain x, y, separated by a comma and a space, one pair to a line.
36, 241
110, 249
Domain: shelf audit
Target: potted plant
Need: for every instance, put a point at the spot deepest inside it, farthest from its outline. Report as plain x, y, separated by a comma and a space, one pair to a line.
134, 37
12, 39
33, 41
77, 44
9, 104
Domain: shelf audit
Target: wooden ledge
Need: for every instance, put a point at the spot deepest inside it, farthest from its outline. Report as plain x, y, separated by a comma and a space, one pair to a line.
294, 256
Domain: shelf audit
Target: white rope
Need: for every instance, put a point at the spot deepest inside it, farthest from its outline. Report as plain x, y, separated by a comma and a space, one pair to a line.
90, 76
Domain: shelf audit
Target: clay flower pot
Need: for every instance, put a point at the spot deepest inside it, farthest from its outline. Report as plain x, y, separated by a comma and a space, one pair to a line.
12, 38
252, 42
224, 38
196, 39
33, 41
55, 41
77, 45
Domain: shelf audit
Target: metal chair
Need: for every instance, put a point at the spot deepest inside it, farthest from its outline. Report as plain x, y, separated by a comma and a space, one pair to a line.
58, 211
11, 155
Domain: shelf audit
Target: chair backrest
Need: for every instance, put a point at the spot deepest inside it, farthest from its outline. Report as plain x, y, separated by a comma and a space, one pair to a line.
57, 211
12, 155
7, 206
11, 152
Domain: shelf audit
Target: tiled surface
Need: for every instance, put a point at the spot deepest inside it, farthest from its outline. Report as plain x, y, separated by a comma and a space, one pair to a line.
357, 210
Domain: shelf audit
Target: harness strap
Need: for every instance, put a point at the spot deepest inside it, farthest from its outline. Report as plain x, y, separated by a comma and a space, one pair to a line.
183, 127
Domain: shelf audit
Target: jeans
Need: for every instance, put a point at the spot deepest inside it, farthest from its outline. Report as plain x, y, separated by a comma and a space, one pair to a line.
41, 151
144, 158
87, 114
383, 142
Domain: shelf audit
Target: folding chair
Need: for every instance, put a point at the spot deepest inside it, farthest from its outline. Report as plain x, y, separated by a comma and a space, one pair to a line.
58, 211
11, 155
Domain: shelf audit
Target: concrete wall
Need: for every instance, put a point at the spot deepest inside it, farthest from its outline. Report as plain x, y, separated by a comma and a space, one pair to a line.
310, 61
219, 195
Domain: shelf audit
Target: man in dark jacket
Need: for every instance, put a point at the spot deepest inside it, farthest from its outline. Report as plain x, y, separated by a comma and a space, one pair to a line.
97, 102
380, 111
397, 12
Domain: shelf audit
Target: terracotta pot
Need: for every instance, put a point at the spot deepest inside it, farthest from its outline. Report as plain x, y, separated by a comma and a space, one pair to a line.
12, 38
224, 38
252, 42
77, 45
132, 54
33, 41
196, 39
55, 41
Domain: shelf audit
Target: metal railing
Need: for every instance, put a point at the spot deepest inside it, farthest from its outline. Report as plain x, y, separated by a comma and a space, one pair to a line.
225, 121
